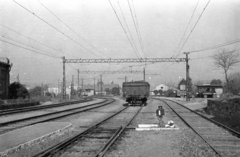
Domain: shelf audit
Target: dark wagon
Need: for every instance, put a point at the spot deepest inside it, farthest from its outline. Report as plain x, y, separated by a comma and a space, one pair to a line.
136, 92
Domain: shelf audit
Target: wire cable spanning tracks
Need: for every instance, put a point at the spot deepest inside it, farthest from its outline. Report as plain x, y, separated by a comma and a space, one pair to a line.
126, 60
33, 108
18, 123
96, 140
222, 139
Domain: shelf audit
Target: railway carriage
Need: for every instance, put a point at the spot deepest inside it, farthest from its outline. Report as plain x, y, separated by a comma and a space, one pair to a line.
136, 92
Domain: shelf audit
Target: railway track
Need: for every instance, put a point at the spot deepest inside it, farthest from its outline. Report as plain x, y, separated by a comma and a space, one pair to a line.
221, 139
34, 108
97, 139
18, 123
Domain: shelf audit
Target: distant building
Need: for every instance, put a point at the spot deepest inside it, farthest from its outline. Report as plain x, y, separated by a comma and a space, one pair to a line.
162, 87
208, 90
54, 90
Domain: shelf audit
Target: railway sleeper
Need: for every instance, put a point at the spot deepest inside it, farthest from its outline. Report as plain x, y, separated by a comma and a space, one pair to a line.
97, 137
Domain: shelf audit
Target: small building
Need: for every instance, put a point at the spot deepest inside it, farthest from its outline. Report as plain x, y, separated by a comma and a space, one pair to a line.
88, 92
162, 87
5, 68
208, 90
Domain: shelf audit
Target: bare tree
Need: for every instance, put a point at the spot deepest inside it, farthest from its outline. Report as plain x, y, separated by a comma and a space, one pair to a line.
225, 60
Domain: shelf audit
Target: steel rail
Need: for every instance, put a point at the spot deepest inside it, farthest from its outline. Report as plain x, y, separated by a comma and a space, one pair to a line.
57, 117
103, 151
213, 121
51, 151
191, 127
33, 108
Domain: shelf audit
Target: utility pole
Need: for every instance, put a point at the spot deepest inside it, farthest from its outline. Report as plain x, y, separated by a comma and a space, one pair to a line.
64, 79
144, 74
78, 79
82, 83
42, 92
125, 78
187, 77
72, 87
94, 86
58, 87
101, 83
98, 85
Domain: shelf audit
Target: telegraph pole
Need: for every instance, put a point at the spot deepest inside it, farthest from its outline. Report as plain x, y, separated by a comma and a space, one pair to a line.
125, 78
78, 79
187, 77
98, 86
72, 87
144, 74
82, 84
101, 83
94, 85
64, 79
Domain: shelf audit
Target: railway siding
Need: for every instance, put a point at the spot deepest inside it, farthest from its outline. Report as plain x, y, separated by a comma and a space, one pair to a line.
29, 140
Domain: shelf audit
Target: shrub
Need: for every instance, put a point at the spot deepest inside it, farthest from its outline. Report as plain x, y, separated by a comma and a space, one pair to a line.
17, 90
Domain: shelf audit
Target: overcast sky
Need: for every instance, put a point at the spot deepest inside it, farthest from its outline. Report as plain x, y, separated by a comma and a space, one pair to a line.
98, 34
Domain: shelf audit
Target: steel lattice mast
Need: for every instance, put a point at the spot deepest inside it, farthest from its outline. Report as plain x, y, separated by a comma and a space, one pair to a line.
121, 60
124, 60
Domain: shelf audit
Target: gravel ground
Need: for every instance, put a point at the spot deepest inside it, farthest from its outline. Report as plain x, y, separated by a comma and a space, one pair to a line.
176, 143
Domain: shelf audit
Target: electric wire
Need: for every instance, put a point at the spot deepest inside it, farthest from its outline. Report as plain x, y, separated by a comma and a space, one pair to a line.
29, 49
26, 45
29, 37
127, 27
186, 28
123, 28
71, 28
193, 27
56, 29
135, 24
207, 56
217, 46
139, 29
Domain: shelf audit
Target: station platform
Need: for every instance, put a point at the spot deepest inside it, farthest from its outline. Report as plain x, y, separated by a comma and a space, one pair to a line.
29, 140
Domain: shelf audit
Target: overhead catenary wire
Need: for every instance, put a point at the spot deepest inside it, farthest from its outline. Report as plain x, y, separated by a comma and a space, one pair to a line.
71, 28
127, 27
123, 28
186, 28
29, 37
56, 29
193, 27
139, 30
26, 45
216, 46
33, 39
135, 25
29, 49
208, 56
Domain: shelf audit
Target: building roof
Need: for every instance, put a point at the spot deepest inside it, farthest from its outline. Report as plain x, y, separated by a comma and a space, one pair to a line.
210, 86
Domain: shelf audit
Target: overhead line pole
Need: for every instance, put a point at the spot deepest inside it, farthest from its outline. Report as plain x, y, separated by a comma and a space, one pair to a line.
78, 80
187, 77
64, 79
144, 74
